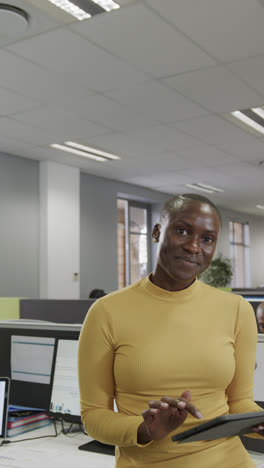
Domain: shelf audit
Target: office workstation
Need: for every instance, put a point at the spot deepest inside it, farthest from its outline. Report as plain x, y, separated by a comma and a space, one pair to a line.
102, 119
41, 363
47, 380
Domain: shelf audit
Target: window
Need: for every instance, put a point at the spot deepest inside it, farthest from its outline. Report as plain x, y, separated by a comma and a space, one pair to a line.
132, 241
239, 247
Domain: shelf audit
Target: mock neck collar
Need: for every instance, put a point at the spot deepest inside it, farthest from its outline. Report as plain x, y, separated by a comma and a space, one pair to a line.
164, 295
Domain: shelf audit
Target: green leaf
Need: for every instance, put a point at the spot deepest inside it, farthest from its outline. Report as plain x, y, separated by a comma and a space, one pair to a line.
219, 273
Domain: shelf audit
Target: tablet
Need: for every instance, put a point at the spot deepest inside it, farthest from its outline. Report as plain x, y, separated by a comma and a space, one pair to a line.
224, 426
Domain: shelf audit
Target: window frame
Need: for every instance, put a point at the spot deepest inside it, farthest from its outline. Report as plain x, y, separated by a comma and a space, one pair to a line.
246, 250
147, 207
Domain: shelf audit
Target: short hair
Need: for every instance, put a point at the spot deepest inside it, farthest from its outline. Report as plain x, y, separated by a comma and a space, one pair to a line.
177, 200
97, 293
260, 308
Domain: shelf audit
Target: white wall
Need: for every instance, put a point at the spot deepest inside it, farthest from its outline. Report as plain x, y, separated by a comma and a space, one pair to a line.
59, 231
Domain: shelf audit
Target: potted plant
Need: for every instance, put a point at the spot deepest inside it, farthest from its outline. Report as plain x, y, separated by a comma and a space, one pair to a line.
219, 273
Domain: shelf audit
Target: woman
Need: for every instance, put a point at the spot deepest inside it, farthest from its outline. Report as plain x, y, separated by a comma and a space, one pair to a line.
170, 350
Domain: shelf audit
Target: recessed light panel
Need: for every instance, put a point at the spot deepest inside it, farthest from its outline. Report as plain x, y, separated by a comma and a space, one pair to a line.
259, 111
196, 187
91, 150
83, 9
210, 187
78, 152
204, 187
254, 118
71, 8
107, 5
86, 151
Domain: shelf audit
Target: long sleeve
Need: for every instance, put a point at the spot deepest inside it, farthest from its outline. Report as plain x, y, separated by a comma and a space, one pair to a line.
240, 390
96, 382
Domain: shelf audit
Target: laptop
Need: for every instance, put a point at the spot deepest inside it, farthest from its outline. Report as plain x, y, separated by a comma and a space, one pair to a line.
4, 399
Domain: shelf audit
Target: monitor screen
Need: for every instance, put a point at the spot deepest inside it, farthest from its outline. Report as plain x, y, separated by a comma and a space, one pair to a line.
29, 349
4, 394
259, 371
65, 398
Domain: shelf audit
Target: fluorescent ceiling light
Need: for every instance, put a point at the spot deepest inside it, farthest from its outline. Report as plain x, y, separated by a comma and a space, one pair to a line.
72, 9
259, 111
239, 115
107, 5
261, 207
78, 152
199, 188
210, 187
91, 150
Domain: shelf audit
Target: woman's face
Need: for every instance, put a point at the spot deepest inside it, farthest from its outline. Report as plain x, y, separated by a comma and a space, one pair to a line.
187, 240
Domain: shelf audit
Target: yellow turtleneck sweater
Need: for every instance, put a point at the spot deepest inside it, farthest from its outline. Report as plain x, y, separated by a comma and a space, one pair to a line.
142, 343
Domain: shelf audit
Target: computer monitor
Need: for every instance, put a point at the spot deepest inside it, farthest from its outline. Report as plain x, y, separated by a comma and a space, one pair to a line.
4, 399
259, 372
65, 397
255, 301
29, 349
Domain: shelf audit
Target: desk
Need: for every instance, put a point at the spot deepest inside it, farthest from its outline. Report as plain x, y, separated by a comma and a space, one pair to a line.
60, 452
55, 452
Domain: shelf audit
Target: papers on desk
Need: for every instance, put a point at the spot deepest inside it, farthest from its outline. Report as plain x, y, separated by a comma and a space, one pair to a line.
257, 458
31, 358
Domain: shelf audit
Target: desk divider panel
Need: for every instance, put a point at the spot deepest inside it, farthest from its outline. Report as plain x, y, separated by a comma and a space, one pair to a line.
55, 310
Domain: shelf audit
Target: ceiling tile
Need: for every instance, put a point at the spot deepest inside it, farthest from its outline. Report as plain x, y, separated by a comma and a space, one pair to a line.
252, 71
147, 41
61, 124
28, 133
215, 88
122, 144
108, 113
235, 177
165, 139
203, 156
80, 61
228, 176
150, 143
217, 131
12, 102
43, 85
228, 30
154, 99
174, 149
14, 147
161, 179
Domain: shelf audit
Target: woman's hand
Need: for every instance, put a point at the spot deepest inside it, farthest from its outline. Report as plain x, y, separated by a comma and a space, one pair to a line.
165, 415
